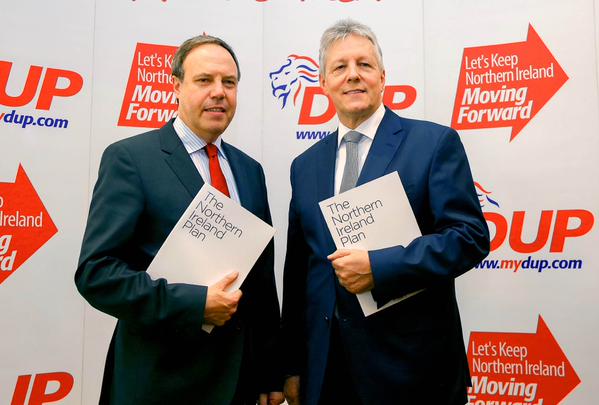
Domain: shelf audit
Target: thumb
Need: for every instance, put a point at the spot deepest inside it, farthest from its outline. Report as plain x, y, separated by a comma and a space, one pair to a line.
227, 280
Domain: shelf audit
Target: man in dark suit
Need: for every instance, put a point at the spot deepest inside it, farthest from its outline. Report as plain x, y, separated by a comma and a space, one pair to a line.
412, 352
159, 353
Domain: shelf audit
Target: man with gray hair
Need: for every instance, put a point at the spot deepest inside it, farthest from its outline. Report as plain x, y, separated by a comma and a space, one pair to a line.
411, 352
159, 353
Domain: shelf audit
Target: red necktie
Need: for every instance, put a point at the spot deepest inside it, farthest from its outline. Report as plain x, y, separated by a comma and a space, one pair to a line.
216, 174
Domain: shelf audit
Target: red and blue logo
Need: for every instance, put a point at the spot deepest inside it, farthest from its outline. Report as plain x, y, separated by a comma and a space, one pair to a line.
291, 76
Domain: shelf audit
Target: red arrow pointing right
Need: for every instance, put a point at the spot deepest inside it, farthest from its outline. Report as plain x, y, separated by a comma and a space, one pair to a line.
25, 225
505, 85
519, 367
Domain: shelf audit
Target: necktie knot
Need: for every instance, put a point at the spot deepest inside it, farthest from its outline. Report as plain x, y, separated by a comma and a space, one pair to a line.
211, 150
216, 174
353, 137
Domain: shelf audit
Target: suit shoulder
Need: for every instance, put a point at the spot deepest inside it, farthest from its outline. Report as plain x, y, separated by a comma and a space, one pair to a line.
428, 133
135, 142
241, 155
313, 151
139, 139
434, 128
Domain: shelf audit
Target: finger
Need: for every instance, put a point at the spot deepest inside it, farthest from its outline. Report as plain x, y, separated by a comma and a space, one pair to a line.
338, 253
227, 280
275, 398
235, 296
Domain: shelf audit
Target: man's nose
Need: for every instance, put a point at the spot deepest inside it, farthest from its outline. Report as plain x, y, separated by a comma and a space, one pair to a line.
218, 90
352, 72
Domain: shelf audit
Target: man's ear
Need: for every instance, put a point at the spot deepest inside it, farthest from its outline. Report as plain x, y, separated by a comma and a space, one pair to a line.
322, 82
176, 85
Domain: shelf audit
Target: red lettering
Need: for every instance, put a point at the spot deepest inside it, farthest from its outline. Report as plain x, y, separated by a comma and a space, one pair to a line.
516, 242
50, 90
500, 229
409, 97
18, 397
29, 88
306, 117
561, 230
38, 390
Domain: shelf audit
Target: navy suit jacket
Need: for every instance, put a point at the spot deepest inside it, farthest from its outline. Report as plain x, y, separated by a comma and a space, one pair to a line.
159, 354
412, 352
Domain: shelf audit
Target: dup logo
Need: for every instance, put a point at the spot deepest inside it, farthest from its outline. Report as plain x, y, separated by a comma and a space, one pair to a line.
295, 82
42, 87
553, 227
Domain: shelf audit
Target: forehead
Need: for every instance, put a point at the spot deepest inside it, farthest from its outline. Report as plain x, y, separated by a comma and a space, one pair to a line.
210, 58
350, 47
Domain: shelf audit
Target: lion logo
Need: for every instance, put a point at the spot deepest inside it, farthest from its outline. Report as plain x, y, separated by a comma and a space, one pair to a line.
289, 77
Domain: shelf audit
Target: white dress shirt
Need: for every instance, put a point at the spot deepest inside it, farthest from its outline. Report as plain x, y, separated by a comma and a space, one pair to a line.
368, 128
195, 147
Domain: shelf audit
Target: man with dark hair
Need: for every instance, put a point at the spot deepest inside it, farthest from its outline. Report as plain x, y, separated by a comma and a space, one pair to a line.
159, 353
412, 352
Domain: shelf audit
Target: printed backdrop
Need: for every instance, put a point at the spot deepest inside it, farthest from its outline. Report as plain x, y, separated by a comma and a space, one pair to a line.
518, 80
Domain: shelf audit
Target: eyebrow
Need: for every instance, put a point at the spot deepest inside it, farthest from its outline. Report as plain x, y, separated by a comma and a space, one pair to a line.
200, 75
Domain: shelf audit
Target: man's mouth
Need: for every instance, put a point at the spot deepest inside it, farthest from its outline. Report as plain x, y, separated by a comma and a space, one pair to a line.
215, 109
355, 91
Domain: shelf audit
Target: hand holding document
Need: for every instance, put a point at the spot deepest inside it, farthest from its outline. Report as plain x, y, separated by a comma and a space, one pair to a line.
375, 215
214, 237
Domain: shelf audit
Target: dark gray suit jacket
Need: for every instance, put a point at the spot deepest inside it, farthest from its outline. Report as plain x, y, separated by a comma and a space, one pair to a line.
159, 354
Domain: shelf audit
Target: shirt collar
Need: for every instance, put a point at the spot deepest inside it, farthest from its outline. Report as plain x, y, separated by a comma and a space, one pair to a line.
191, 141
367, 128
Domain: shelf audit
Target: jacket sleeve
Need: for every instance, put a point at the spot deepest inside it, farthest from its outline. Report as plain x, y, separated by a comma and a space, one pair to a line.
260, 294
111, 271
458, 237
294, 288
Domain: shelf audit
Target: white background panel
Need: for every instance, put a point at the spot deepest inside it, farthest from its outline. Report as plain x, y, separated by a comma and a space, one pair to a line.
550, 165
41, 309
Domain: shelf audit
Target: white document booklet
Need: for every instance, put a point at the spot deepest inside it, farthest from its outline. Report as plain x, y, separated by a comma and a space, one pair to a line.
214, 237
372, 216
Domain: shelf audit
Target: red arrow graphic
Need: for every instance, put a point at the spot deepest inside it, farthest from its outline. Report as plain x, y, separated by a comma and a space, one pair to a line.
505, 85
149, 99
25, 225
526, 368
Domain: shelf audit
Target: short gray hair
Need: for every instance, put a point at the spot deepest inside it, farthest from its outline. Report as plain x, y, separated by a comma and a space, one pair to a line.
341, 30
193, 43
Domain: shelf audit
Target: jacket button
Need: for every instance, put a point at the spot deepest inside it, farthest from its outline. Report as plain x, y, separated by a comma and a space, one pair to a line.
326, 318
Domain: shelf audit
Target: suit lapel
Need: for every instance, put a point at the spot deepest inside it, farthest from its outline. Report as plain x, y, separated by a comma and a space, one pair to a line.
179, 161
242, 181
325, 167
387, 141
325, 181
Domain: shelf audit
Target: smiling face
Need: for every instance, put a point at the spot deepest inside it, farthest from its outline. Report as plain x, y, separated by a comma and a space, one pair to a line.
353, 79
208, 92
